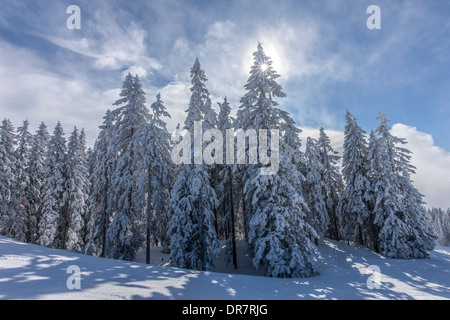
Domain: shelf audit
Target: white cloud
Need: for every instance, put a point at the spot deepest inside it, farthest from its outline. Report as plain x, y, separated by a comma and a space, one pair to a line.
111, 44
31, 91
336, 137
432, 176
135, 70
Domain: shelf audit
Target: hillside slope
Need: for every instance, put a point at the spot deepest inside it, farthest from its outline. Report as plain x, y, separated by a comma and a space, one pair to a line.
33, 272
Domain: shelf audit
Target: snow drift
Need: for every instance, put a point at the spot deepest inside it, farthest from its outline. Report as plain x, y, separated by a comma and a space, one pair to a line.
33, 272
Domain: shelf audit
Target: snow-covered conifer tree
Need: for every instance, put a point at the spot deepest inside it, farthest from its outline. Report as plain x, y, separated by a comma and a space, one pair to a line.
20, 223
100, 198
225, 188
84, 156
440, 220
53, 190
76, 193
278, 233
153, 151
317, 215
333, 181
125, 234
193, 200
7, 176
352, 209
400, 227
36, 176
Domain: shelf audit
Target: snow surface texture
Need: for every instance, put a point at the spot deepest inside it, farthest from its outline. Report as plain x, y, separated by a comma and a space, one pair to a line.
33, 272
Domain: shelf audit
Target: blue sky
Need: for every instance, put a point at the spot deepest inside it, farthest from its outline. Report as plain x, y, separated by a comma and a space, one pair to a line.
328, 60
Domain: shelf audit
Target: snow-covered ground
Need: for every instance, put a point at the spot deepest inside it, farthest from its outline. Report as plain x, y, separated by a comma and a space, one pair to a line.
33, 272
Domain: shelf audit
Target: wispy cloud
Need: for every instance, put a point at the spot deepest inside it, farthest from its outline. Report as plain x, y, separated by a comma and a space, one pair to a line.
432, 176
31, 91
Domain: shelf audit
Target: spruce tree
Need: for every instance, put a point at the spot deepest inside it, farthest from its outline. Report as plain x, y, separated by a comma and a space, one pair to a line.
317, 215
7, 177
76, 193
53, 190
19, 227
400, 227
440, 221
332, 179
193, 200
125, 234
278, 233
153, 152
84, 165
100, 198
353, 209
36, 176
225, 188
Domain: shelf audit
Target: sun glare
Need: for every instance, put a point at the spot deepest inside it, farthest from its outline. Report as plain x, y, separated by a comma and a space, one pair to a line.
263, 67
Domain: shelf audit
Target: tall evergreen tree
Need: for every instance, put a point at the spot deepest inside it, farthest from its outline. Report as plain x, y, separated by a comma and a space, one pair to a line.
399, 220
276, 209
225, 189
76, 193
125, 234
100, 198
353, 209
36, 176
193, 200
84, 157
19, 227
333, 181
317, 215
53, 190
154, 145
7, 176
256, 105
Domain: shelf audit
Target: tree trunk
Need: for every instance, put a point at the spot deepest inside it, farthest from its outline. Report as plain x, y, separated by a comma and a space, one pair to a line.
65, 225
105, 217
336, 230
361, 239
149, 217
233, 229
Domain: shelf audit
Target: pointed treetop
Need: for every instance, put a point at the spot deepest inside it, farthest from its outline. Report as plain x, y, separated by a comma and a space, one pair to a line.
258, 106
200, 102
159, 110
224, 120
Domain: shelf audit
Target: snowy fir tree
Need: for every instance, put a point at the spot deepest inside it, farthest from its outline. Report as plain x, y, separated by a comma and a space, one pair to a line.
399, 219
194, 241
85, 186
278, 233
332, 179
200, 108
53, 190
225, 190
100, 198
7, 177
353, 210
125, 234
153, 152
20, 223
76, 193
193, 200
261, 89
440, 221
36, 176
317, 216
